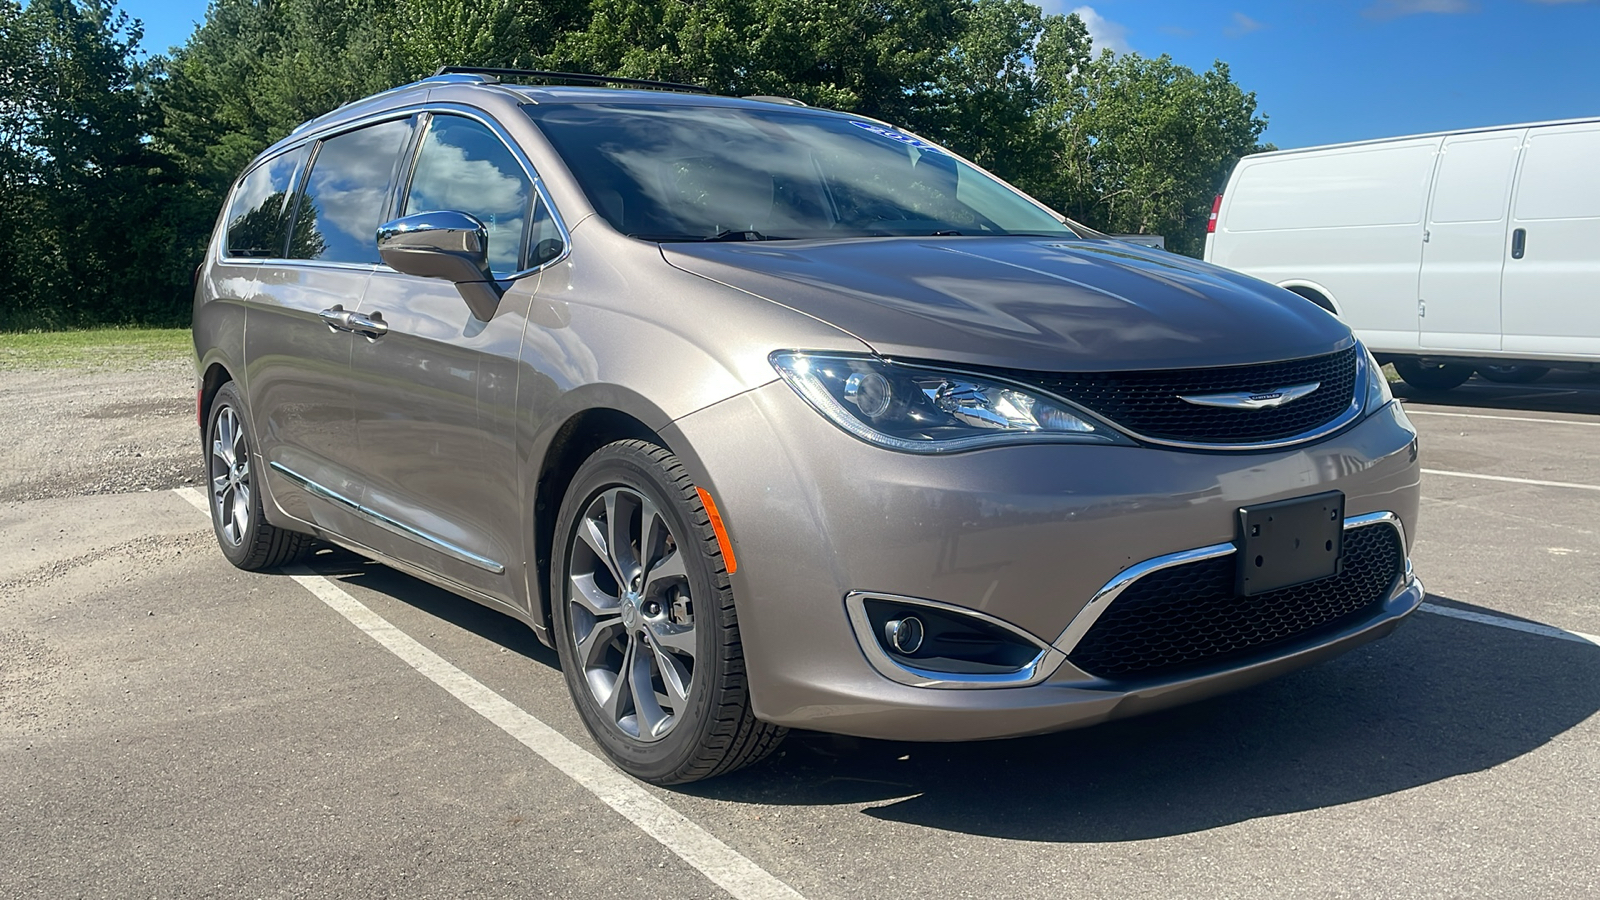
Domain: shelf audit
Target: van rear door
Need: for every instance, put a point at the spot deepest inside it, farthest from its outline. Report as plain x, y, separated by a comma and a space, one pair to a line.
1462, 250
1550, 301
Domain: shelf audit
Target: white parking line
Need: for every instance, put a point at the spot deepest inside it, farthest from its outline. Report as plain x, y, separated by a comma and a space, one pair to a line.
1561, 484
1513, 624
726, 867
1456, 415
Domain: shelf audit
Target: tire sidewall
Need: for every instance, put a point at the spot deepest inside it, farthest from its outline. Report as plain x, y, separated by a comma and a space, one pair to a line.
630, 467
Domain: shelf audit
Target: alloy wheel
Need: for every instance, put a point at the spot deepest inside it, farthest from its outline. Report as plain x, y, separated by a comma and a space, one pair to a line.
230, 476
630, 614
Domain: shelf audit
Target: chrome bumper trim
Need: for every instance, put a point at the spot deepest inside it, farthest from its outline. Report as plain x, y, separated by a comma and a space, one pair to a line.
1039, 668
1103, 598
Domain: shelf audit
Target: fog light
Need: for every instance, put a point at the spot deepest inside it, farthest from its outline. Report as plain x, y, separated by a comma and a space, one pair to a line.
904, 635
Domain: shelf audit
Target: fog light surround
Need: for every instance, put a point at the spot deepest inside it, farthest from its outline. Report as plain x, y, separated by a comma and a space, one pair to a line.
926, 643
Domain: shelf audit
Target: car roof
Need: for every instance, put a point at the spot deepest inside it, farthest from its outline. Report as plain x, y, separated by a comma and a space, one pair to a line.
526, 94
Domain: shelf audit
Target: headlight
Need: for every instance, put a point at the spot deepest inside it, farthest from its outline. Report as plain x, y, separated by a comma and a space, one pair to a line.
923, 410
1378, 393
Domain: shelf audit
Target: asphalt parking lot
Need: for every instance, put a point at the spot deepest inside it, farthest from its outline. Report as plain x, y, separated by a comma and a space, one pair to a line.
172, 727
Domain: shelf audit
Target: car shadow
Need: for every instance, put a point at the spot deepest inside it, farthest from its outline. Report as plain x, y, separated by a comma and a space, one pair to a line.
1557, 392
1441, 697
346, 567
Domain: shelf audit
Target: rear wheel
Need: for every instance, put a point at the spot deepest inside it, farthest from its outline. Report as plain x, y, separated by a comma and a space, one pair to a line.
241, 528
644, 621
1513, 374
1429, 376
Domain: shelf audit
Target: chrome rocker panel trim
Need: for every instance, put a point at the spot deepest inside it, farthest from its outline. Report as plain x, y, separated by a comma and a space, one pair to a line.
388, 524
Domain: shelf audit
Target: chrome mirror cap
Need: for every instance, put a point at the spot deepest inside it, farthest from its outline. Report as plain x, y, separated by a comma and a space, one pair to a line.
446, 244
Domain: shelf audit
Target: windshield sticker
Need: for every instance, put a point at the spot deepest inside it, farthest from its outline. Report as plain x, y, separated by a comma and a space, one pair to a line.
893, 135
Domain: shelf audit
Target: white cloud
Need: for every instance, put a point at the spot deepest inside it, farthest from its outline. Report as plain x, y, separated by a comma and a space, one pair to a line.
1242, 25
1106, 34
1394, 9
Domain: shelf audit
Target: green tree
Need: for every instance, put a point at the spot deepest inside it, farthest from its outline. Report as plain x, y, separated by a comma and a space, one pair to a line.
875, 57
1145, 144
90, 239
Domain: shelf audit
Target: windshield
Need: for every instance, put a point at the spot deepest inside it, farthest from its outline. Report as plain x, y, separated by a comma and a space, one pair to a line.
696, 173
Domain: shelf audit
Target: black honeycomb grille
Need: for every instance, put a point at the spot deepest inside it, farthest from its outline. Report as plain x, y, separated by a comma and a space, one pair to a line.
1189, 615
1147, 402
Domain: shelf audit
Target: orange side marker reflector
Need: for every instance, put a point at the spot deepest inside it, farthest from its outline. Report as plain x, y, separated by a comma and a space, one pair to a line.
722, 532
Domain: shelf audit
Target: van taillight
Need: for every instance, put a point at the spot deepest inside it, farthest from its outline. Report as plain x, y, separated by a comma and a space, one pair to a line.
1216, 206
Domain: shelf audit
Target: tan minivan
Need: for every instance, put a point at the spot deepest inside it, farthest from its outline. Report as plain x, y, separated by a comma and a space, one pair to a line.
772, 417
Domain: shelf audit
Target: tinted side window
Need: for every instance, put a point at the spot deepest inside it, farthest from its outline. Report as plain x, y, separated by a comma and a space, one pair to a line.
256, 217
346, 194
463, 166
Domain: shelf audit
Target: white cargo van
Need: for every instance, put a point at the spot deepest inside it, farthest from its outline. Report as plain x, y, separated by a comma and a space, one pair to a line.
1444, 252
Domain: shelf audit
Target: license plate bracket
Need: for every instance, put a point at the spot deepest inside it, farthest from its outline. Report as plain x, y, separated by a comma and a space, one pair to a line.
1290, 542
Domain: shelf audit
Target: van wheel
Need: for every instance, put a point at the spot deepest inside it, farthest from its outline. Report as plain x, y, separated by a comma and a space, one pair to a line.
1513, 374
1428, 376
644, 621
244, 535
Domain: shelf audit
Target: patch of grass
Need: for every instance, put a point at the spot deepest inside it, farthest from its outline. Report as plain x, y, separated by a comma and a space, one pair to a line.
100, 348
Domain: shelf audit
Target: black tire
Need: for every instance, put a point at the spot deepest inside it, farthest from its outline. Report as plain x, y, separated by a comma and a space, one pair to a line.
1427, 376
712, 729
1513, 374
242, 530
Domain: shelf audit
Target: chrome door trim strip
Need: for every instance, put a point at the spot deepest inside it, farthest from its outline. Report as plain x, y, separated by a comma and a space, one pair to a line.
388, 524
1103, 598
1042, 666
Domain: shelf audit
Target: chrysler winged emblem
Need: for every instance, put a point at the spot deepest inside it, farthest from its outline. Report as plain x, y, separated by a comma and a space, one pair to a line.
1247, 400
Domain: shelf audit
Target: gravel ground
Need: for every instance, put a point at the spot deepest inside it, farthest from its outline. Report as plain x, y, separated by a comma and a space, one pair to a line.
67, 433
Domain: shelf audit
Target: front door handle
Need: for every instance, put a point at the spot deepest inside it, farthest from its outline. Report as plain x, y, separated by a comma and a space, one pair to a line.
1519, 242
372, 326
337, 317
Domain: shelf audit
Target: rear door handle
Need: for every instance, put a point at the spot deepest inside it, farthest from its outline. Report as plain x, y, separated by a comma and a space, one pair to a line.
372, 326
1519, 242
337, 317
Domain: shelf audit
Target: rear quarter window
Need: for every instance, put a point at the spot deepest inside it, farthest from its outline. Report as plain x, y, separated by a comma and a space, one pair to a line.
257, 221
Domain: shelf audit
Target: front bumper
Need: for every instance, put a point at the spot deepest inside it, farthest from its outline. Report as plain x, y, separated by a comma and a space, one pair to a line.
1028, 535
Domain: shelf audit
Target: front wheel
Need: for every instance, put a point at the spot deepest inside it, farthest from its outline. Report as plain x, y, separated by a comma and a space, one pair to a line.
644, 621
1429, 376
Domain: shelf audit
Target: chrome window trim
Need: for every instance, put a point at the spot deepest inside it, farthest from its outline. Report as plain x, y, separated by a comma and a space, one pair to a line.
401, 112
1107, 595
1042, 666
388, 524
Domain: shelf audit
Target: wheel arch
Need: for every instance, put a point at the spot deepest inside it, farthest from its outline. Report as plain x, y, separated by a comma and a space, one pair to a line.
1314, 292
578, 436
216, 375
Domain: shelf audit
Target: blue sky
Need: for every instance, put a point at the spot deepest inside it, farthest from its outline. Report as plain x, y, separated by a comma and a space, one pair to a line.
1322, 72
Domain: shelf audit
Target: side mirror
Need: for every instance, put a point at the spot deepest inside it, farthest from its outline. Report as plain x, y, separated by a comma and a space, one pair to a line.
447, 244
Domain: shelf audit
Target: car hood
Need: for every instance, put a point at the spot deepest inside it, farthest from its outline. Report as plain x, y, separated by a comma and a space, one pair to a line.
1034, 303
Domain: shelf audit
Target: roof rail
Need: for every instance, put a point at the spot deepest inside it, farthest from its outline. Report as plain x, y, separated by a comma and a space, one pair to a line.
768, 98
581, 77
